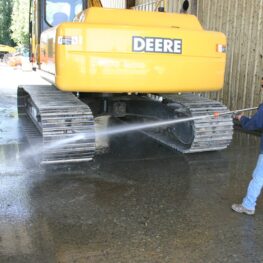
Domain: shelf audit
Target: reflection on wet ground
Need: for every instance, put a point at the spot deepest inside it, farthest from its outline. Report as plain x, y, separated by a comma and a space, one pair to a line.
136, 202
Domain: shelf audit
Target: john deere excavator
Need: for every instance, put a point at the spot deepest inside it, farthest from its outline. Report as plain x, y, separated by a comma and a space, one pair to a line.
134, 65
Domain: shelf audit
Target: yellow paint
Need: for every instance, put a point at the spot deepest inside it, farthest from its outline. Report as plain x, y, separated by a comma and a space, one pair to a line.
127, 17
101, 59
7, 49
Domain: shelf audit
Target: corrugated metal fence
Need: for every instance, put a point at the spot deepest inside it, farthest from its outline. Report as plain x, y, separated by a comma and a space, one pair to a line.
114, 3
148, 5
170, 6
241, 21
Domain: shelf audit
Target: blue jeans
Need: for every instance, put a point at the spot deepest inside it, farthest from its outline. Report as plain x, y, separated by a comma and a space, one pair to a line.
255, 186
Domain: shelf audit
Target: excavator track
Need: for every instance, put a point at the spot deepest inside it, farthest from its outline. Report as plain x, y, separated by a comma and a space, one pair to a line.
57, 122
206, 134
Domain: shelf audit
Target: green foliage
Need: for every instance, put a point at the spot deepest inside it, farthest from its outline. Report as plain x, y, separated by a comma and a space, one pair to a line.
20, 22
6, 7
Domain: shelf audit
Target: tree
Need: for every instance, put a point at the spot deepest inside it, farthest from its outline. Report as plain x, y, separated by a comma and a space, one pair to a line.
20, 22
6, 7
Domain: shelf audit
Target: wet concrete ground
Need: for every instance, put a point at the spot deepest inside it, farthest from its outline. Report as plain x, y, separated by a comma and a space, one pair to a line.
138, 202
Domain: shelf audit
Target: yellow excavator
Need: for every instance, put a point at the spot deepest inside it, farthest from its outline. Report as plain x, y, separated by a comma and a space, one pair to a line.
134, 65
6, 50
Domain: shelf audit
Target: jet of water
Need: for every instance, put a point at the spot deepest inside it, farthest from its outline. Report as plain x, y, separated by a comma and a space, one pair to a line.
38, 149
143, 126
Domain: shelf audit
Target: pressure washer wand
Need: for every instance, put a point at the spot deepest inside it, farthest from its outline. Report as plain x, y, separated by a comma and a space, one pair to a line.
134, 127
216, 114
180, 120
247, 109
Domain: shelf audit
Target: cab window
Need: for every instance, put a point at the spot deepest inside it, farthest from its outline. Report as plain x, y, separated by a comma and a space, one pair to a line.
58, 11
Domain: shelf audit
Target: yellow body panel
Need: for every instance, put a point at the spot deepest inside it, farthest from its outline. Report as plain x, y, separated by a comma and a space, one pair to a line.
126, 17
96, 54
7, 49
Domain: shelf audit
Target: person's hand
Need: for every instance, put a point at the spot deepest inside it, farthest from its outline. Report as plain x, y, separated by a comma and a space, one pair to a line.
238, 116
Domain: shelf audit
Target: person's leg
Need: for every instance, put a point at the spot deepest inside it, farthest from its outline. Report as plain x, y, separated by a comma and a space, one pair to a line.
255, 186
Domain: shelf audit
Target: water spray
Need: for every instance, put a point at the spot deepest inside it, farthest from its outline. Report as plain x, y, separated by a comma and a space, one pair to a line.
127, 128
134, 127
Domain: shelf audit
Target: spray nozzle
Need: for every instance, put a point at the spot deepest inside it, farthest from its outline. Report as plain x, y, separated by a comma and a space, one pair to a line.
216, 114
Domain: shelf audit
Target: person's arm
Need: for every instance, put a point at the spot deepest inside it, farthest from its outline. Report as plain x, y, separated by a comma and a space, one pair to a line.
253, 123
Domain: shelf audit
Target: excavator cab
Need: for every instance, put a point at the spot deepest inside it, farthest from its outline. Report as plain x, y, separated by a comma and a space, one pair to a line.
59, 11
45, 14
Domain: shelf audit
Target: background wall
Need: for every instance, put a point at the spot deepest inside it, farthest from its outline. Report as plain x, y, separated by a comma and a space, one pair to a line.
171, 5
241, 21
150, 5
114, 3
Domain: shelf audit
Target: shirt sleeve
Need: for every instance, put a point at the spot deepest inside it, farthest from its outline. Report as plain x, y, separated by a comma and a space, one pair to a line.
255, 122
